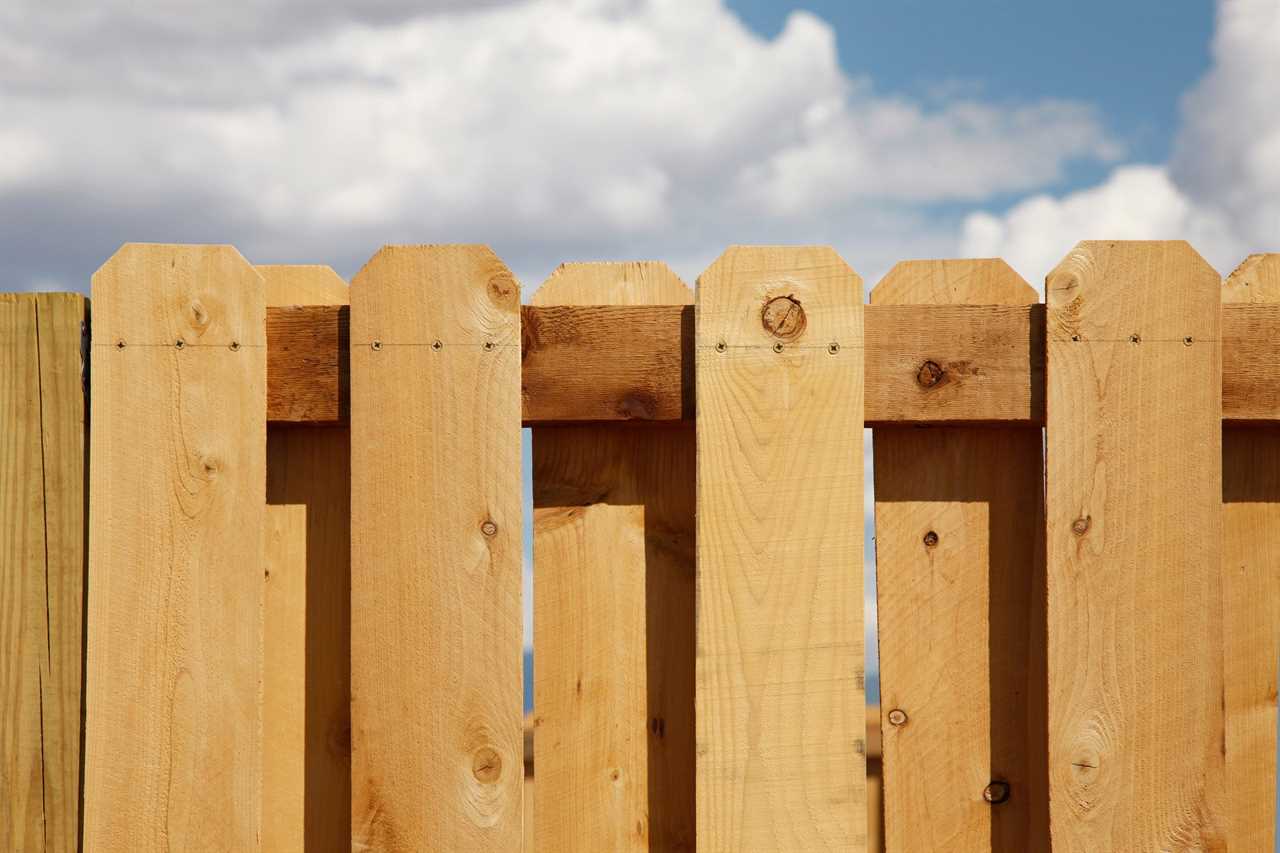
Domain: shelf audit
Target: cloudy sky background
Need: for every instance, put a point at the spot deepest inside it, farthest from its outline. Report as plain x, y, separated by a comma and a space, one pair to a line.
317, 130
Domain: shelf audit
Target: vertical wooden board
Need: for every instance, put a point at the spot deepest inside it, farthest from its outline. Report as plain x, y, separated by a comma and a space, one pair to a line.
961, 620
173, 693
62, 319
435, 555
284, 684
614, 707
1251, 596
22, 586
310, 466
780, 704
592, 750
1134, 527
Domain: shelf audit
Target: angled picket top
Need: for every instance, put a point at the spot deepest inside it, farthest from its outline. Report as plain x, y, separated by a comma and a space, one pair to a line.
273, 601
960, 574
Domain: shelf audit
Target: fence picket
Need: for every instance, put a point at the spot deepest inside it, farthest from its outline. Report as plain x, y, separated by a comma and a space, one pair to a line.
309, 466
1134, 527
173, 737
613, 609
960, 582
781, 713
1251, 594
435, 555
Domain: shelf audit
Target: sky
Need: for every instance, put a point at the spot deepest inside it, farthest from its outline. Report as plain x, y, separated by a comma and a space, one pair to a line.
314, 131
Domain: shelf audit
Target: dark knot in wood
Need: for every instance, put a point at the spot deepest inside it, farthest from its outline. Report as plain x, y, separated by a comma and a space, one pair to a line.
783, 317
930, 374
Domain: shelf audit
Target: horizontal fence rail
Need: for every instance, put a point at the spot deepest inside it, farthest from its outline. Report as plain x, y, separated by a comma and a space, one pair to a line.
925, 364
268, 596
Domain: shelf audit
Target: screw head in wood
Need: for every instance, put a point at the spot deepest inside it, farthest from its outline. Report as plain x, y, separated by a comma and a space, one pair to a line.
783, 317
930, 539
777, 347
437, 346
930, 374
833, 348
1187, 341
721, 346
996, 793
898, 717
120, 344
179, 343
489, 528
1075, 338
487, 346
1135, 338
234, 346
375, 346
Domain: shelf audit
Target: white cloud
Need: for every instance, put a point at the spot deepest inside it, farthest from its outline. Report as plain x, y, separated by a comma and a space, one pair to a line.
552, 129
1221, 190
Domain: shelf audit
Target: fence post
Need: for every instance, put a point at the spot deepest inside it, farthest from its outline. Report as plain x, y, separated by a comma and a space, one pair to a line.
1134, 527
435, 551
307, 608
781, 713
1251, 593
173, 728
960, 582
42, 535
613, 609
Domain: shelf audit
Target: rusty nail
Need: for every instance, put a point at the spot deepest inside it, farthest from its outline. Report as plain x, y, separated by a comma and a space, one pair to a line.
929, 374
376, 345
930, 539
833, 348
1081, 525
489, 528
436, 345
996, 793
898, 717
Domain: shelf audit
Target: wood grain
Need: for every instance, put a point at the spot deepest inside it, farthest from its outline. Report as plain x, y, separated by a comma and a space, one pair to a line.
1251, 591
309, 466
436, 635
780, 705
613, 609
1134, 464
173, 697
23, 630
592, 363
284, 682
961, 620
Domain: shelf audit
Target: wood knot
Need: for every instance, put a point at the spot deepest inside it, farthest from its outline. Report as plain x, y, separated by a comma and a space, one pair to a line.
199, 316
783, 318
1081, 525
930, 374
501, 286
486, 765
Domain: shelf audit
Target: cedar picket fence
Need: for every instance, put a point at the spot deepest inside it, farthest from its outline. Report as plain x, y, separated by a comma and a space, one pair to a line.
275, 562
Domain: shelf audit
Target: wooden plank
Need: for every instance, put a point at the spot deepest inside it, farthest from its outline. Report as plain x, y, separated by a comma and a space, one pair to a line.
1251, 592
960, 580
436, 635
22, 586
613, 610
62, 318
1134, 526
959, 364
309, 466
284, 683
173, 730
780, 703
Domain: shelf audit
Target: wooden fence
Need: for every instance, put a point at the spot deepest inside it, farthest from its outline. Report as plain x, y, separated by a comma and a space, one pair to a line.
288, 613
